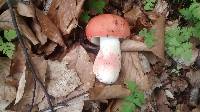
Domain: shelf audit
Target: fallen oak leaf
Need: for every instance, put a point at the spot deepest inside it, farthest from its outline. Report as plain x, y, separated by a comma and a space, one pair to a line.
49, 28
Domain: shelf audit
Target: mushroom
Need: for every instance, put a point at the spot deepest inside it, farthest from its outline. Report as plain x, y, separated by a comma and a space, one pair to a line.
109, 28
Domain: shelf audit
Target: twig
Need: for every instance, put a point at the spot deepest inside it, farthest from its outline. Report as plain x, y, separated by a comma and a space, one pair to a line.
27, 57
64, 103
33, 99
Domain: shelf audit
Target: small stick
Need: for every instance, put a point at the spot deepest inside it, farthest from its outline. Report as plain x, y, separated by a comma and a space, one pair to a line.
27, 57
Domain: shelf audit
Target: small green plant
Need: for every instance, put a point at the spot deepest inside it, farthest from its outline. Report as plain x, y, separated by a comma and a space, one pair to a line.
192, 13
136, 99
149, 4
148, 37
177, 43
6, 46
92, 5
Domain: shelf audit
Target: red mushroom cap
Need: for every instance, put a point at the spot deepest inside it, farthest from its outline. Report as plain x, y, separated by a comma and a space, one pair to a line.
107, 25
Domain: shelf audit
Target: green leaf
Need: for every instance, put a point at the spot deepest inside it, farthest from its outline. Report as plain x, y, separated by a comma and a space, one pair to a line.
148, 37
10, 34
127, 107
7, 48
97, 5
85, 17
131, 86
149, 5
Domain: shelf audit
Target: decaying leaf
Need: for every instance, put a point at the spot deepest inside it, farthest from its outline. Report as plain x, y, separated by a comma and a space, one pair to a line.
7, 92
39, 34
2, 2
65, 18
159, 46
40, 66
20, 90
108, 92
162, 102
49, 28
133, 15
144, 63
48, 48
25, 10
18, 66
62, 80
6, 19
79, 60
132, 70
194, 78
132, 45
26, 31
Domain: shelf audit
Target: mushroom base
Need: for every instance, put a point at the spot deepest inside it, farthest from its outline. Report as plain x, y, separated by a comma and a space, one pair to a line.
107, 64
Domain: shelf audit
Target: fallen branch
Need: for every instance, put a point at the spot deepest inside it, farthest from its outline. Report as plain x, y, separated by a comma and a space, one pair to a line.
63, 103
27, 57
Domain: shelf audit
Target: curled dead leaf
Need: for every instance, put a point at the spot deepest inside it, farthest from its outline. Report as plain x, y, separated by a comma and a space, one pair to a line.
49, 28
108, 92
39, 34
25, 10
26, 31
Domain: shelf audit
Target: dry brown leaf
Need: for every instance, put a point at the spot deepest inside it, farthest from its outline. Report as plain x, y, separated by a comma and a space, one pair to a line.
132, 45
25, 10
115, 106
7, 92
66, 15
48, 48
40, 66
39, 34
6, 19
159, 49
18, 66
144, 63
26, 31
2, 2
133, 15
162, 102
108, 92
132, 70
62, 80
49, 28
194, 78
79, 59
20, 90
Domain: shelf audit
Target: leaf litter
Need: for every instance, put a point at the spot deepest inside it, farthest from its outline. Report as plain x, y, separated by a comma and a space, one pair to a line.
66, 68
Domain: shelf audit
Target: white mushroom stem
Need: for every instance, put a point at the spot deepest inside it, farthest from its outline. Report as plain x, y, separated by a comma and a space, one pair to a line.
107, 64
